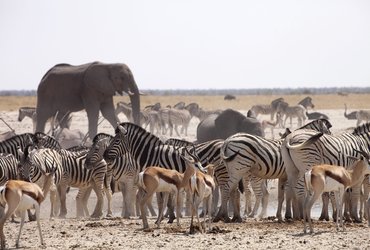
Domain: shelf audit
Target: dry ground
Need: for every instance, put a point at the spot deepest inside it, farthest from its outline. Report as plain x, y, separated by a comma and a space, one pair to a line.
117, 233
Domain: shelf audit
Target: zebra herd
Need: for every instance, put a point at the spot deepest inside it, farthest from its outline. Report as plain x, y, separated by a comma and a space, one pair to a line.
241, 158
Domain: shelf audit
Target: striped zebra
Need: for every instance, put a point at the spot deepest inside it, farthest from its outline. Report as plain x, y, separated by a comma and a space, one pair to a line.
28, 112
79, 174
123, 170
148, 150
267, 109
145, 148
35, 164
11, 145
8, 168
298, 111
302, 150
245, 154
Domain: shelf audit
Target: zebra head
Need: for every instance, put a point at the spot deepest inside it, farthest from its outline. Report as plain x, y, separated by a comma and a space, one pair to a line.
118, 144
44, 141
96, 153
25, 164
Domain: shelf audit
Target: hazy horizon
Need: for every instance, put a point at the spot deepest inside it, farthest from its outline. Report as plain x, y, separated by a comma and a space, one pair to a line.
191, 44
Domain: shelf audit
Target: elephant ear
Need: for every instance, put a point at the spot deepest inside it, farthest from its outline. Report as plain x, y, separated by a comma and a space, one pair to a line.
98, 77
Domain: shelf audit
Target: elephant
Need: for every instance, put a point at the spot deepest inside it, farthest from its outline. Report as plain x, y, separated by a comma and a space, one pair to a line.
225, 124
68, 88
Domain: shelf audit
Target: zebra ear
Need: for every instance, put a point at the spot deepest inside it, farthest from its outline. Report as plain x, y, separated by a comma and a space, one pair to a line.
122, 129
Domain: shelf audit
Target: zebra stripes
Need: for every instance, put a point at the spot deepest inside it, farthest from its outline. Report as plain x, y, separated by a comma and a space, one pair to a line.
8, 168
304, 149
79, 175
36, 163
11, 145
245, 154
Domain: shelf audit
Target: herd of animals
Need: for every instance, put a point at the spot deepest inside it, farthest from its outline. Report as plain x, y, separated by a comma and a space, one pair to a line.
230, 154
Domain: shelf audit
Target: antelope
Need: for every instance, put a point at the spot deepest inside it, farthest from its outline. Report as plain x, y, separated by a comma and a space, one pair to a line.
156, 179
202, 187
19, 196
326, 178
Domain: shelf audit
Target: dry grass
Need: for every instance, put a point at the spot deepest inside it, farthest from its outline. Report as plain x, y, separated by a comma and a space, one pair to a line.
332, 101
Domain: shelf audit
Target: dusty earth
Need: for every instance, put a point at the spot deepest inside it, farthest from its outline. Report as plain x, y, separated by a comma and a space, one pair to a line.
118, 233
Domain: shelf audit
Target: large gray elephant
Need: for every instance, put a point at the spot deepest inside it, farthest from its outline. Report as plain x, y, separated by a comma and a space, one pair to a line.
229, 122
66, 88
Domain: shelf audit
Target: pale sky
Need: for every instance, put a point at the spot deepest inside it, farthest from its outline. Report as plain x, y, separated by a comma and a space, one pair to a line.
191, 44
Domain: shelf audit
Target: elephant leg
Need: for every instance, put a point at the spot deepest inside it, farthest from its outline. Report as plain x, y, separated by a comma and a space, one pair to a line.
107, 110
92, 110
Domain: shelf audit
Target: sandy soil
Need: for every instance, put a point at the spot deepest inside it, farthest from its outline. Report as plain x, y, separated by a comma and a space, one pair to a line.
118, 233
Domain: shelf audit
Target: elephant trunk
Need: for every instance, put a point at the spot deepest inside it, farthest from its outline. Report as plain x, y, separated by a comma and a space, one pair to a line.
135, 102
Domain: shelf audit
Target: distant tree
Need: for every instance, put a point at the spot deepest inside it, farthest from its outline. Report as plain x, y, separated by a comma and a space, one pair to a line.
229, 97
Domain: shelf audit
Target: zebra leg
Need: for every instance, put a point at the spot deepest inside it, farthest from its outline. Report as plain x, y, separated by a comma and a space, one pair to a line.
281, 184
108, 194
98, 211
161, 208
79, 202
216, 196
235, 198
130, 204
248, 196
222, 213
62, 190
355, 198
265, 199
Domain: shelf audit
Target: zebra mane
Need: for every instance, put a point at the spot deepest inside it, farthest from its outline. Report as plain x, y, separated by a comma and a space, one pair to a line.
100, 136
132, 126
362, 129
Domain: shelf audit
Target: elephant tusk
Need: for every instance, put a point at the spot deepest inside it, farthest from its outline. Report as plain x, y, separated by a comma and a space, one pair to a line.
130, 93
142, 93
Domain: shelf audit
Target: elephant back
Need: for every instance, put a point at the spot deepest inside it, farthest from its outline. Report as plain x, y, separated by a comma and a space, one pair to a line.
66, 69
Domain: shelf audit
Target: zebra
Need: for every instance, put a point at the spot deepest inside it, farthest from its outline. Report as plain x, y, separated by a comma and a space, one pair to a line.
267, 109
246, 154
35, 163
126, 109
298, 111
8, 168
79, 174
123, 170
146, 149
11, 145
28, 112
303, 149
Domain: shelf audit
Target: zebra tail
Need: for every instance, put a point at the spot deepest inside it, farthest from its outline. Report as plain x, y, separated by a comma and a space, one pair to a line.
241, 186
308, 142
307, 181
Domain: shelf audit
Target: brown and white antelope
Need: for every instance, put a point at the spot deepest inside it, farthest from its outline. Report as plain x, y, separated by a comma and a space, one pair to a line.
156, 179
327, 178
202, 186
19, 196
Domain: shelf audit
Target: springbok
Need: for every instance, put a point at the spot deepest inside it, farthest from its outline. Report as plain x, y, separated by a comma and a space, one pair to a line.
202, 187
19, 196
326, 178
156, 179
